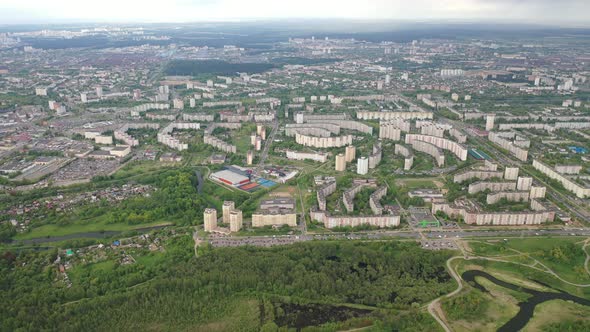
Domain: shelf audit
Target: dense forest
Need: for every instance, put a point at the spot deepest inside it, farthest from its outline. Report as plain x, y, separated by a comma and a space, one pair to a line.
229, 289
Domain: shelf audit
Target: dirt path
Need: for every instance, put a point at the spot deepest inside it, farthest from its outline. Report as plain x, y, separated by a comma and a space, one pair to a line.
434, 307
197, 241
586, 243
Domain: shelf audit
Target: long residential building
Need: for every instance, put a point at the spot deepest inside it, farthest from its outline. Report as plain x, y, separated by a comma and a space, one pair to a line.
510, 196
323, 142
539, 215
121, 133
156, 116
389, 131
456, 148
151, 106
306, 117
324, 191
479, 186
581, 191
477, 174
222, 103
458, 135
400, 123
165, 138
545, 126
430, 149
321, 157
203, 117
219, 144
231, 126
262, 116
502, 139
407, 153
389, 115
433, 129
348, 195
346, 124
233, 117
376, 155
313, 129
353, 221
274, 217
374, 200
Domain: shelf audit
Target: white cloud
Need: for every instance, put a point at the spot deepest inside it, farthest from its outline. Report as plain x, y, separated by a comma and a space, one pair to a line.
198, 10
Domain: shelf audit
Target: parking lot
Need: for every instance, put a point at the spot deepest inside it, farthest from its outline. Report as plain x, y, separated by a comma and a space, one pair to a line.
85, 169
439, 244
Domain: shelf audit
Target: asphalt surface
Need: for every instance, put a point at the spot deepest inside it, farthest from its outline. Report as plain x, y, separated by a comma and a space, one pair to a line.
268, 241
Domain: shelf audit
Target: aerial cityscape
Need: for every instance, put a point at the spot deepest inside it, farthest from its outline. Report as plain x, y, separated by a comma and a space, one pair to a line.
182, 168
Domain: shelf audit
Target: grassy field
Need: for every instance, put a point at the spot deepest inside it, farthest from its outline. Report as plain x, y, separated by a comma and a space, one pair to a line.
266, 231
244, 316
419, 183
556, 311
473, 310
140, 168
422, 162
241, 138
56, 230
562, 255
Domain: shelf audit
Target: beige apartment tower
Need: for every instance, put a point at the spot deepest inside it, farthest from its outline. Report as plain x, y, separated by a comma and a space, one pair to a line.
350, 153
235, 220
511, 173
362, 166
490, 119
249, 157
210, 219
340, 163
228, 206
524, 183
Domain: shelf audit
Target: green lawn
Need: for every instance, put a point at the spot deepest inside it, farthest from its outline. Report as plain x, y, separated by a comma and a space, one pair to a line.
473, 310
267, 231
536, 244
417, 183
558, 311
552, 252
56, 230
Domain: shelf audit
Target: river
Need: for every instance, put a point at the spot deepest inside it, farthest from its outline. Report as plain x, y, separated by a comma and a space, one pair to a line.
526, 308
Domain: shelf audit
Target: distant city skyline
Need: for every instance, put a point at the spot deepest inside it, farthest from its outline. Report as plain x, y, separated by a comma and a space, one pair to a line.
545, 12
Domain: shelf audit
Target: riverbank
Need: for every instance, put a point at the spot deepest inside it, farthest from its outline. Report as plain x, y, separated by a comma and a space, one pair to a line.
507, 289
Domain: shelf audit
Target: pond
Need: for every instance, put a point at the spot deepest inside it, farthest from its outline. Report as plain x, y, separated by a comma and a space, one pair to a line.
299, 316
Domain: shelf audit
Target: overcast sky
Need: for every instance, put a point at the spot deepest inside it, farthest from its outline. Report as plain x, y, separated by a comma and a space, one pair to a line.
560, 12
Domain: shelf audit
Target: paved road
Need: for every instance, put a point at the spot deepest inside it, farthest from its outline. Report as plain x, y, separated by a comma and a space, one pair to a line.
267, 144
302, 222
199, 182
267, 241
